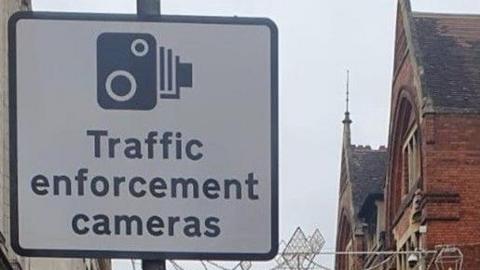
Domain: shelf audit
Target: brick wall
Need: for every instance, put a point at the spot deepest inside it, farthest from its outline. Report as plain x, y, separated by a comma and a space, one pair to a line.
452, 177
471, 255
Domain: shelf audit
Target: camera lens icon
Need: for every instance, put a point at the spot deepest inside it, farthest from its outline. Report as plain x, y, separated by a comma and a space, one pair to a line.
139, 47
121, 74
133, 72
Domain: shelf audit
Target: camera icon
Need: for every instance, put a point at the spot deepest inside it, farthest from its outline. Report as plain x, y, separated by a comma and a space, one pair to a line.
131, 70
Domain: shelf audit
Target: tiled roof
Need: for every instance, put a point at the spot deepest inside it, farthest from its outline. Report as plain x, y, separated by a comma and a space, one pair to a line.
367, 173
449, 52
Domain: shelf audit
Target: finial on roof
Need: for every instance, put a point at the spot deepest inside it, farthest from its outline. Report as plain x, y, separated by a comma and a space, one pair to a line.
348, 81
347, 100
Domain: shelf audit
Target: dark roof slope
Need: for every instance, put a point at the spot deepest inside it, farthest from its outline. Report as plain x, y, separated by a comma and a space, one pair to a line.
449, 51
367, 173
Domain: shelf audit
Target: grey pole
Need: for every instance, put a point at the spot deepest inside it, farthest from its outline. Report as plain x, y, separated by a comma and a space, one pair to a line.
153, 265
147, 8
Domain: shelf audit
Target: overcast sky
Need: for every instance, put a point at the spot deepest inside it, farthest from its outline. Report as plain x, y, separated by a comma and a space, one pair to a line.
319, 40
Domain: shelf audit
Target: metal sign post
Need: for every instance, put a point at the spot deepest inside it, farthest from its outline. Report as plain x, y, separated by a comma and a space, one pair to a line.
148, 7
153, 265
145, 8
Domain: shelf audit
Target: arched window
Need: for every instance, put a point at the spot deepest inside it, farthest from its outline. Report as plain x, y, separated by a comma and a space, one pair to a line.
405, 171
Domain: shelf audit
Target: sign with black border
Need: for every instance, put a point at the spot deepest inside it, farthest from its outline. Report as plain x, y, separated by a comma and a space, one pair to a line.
172, 120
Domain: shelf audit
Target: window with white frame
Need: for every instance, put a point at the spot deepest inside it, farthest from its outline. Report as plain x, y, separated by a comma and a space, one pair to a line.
411, 160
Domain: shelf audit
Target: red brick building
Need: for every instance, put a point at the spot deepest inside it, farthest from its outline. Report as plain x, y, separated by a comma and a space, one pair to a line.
434, 134
432, 183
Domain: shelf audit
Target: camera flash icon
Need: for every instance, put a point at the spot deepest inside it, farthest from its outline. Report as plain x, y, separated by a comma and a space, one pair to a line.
132, 72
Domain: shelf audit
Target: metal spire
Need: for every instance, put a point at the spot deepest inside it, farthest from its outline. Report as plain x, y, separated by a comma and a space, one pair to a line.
347, 100
348, 90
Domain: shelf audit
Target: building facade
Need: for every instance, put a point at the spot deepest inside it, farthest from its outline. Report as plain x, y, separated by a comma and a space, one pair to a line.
431, 189
433, 179
8, 259
361, 207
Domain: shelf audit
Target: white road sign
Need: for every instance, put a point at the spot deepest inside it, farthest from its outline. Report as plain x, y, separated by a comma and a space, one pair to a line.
148, 139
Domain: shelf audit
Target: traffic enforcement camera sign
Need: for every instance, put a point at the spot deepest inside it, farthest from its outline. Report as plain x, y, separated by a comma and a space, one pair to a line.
149, 139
